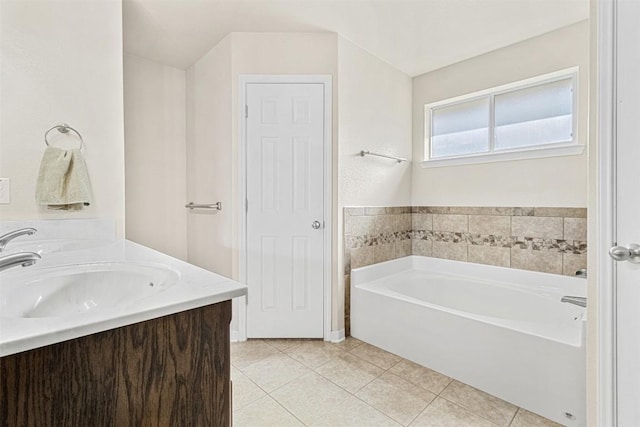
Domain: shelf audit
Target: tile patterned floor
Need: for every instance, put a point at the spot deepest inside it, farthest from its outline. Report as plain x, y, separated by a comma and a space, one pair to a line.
314, 383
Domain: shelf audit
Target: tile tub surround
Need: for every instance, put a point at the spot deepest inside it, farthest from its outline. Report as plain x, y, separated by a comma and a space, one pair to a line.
546, 239
373, 235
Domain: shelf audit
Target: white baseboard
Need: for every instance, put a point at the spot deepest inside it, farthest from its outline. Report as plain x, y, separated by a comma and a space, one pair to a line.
336, 336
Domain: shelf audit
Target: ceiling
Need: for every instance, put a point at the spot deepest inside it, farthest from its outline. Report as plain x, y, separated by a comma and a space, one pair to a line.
415, 36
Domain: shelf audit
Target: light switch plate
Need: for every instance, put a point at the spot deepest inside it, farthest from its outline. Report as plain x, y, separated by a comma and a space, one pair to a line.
5, 191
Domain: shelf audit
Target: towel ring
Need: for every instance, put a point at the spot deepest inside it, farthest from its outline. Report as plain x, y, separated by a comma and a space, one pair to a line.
63, 128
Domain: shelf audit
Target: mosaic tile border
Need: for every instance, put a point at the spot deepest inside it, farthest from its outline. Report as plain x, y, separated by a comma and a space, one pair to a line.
535, 243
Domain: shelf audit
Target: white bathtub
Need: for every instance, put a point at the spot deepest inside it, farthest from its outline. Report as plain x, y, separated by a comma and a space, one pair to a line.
501, 330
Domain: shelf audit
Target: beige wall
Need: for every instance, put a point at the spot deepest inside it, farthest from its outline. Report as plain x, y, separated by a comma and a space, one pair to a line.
155, 155
558, 181
62, 62
374, 113
210, 167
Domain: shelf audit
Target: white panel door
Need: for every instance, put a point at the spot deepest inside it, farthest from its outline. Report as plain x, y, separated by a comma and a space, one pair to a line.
285, 195
628, 212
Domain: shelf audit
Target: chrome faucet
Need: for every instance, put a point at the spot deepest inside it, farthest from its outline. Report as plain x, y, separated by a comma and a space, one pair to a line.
581, 301
24, 259
6, 238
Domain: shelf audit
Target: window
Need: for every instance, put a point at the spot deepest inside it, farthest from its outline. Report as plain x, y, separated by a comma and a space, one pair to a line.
531, 118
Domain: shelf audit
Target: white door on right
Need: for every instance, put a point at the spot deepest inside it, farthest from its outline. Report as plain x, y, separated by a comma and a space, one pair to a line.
627, 231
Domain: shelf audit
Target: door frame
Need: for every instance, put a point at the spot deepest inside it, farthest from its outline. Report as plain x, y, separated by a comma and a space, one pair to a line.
605, 209
326, 81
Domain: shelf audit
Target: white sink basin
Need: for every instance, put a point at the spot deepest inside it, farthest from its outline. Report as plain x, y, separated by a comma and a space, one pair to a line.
51, 246
81, 288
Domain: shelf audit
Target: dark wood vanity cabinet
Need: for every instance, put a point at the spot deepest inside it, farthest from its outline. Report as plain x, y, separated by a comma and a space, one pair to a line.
170, 371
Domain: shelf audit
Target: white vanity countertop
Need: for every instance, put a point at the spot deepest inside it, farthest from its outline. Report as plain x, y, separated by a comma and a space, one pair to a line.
195, 288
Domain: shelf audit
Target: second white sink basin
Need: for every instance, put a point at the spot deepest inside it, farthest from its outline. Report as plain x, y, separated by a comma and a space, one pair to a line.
82, 288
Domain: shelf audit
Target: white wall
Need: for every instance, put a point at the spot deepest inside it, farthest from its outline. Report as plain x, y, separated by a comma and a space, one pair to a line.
374, 113
558, 181
594, 241
62, 62
155, 155
210, 169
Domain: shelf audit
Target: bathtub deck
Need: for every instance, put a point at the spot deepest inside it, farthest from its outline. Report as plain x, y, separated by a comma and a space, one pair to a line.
309, 382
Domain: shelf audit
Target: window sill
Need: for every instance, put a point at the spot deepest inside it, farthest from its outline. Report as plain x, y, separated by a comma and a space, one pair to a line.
506, 156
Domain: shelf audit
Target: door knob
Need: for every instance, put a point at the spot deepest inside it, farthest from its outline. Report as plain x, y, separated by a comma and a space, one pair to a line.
623, 253
315, 225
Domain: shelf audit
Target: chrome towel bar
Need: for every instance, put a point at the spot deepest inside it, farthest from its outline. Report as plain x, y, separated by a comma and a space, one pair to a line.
371, 153
216, 206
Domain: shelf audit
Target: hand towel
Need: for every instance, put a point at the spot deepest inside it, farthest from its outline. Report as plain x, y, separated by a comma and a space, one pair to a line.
63, 180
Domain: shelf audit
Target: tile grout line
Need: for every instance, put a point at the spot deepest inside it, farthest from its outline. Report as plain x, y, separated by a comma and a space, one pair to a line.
514, 417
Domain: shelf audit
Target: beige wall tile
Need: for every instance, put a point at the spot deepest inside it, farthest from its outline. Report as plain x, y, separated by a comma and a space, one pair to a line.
402, 249
575, 228
361, 257
566, 212
421, 247
447, 250
354, 211
544, 261
347, 224
347, 304
456, 223
572, 263
489, 255
363, 225
388, 223
384, 252
346, 259
375, 211
406, 223
545, 227
490, 224
421, 221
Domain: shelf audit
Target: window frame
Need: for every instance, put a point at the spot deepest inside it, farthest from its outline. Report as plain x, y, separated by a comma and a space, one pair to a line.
563, 148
